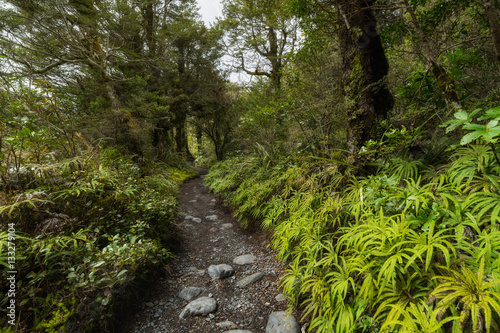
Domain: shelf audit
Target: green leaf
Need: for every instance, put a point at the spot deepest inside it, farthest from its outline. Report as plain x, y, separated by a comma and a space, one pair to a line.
492, 123
470, 137
100, 263
491, 113
461, 115
24, 132
475, 127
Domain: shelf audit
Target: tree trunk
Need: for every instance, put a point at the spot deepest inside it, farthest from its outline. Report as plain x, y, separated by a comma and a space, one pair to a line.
181, 141
179, 134
364, 67
185, 143
199, 141
274, 58
491, 11
113, 97
149, 25
444, 81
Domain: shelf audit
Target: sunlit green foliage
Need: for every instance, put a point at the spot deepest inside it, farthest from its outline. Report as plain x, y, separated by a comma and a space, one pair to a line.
399, 249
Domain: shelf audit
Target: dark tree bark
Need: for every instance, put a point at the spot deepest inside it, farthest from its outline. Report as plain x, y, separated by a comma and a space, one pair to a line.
364, 67
491, 11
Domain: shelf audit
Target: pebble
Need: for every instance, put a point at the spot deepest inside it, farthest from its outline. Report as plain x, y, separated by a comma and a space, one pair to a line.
280, 298
245, 259
212, 218
195, 271
226, 325
249, 280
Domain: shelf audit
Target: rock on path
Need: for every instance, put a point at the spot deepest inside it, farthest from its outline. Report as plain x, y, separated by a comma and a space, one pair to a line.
245, 259
249, 280
199, 307
190, 293
220, 271
279, 322
226, 325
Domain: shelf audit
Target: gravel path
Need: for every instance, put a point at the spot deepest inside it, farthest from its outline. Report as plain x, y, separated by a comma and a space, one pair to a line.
212, 236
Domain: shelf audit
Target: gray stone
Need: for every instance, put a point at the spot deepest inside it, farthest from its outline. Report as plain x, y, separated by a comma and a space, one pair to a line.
280, 323
196, 219
238, 331
212, 218
213, 200
190, 293
226, 325
220, 271
280, 298
245, 259
188, 217
192, 270
249, 280
226, 226
199, 307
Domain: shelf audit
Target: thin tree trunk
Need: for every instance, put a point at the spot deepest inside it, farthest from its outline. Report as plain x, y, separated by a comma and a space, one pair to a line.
113, 97
444, 81
199, 141
274, 59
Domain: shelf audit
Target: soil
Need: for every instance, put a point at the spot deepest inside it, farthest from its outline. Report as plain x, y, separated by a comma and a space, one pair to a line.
203, 244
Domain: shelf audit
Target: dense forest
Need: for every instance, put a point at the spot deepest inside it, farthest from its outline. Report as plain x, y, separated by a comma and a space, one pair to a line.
365, 142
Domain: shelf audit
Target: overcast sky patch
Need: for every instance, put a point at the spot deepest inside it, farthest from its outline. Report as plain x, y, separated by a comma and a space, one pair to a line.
209, 10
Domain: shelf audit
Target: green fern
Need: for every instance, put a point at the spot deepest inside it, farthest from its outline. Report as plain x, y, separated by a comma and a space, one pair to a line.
474, 290
404, 169
418, 318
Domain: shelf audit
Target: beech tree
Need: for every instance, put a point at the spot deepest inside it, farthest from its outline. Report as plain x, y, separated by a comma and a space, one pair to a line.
364, 65
260, 35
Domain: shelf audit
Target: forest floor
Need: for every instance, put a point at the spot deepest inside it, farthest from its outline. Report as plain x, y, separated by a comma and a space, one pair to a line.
210, 235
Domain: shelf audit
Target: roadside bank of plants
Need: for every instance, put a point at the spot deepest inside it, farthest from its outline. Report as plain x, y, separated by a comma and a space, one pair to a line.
90, 232
412, 245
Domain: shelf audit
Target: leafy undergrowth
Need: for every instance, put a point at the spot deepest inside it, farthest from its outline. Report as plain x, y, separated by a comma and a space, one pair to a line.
412, 247
90, 232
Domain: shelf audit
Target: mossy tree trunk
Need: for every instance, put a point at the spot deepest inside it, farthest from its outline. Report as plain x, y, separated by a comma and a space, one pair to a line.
492, 13
364, 67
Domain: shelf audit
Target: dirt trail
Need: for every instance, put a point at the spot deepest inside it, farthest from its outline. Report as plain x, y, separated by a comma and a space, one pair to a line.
212, 236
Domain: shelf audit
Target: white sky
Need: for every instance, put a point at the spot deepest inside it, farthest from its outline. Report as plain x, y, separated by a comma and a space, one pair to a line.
209, 10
